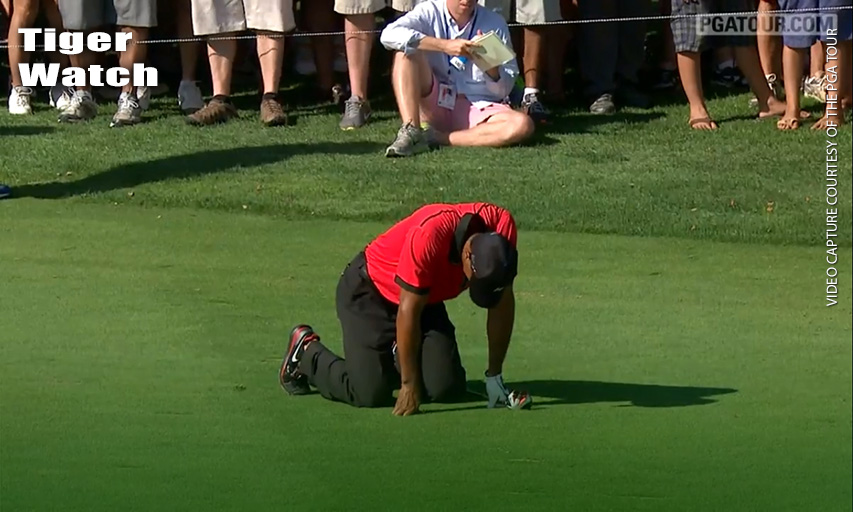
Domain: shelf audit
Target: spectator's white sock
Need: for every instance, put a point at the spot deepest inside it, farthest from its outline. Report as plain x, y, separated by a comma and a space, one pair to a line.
726, 64
530, 90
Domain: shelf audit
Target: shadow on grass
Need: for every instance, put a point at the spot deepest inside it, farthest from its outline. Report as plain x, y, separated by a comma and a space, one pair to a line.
565, 392
18, 131
580, 122
188, 166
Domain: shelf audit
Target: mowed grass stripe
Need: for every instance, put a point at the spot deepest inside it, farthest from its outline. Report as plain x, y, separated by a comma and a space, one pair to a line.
139, 371
637, 173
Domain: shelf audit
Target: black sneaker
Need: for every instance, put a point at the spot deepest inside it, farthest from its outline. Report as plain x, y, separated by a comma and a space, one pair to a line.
727, 77
289, 377
534, 108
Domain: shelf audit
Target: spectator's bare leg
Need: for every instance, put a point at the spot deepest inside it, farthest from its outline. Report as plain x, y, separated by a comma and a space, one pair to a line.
135, 53
502, 129
189, 51
690, 71
792, 65
533, 43
748, 62
270, 55
320, 17
359, 47
190, 98
816, 58
221, 53
843, 75
769, 46
411, 78
24, 14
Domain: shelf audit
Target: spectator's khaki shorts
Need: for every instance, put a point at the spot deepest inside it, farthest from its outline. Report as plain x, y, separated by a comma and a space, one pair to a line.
90, 14
371, 6
525, 12
223, 16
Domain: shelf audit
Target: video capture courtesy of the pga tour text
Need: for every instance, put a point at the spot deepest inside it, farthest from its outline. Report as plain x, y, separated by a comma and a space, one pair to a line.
427, 255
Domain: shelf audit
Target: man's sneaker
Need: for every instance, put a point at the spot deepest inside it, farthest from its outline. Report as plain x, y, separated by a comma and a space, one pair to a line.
129, 112
81, 108
60, 97
603, 105
5, 191
289, 376
727, 77
19, 101
356, 113
214, 112
534, 108
815, 87
190, 99
271, 113
410, 140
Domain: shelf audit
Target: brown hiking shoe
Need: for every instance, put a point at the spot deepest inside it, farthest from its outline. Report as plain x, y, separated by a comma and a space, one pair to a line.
272, 114
214, 112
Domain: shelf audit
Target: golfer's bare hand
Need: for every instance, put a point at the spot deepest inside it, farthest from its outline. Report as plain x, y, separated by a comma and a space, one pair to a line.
458, 47
407, 401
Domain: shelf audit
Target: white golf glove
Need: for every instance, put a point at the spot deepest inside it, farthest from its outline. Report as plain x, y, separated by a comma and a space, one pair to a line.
498, 394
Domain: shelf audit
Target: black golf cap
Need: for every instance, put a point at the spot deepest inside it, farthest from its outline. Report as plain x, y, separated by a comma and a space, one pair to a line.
494, 262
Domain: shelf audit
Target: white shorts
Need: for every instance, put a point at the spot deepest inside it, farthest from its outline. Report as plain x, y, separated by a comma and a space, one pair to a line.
372, 6
212, 17
525, 12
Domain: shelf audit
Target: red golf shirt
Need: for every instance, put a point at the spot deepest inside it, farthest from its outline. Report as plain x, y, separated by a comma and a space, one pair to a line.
422, 253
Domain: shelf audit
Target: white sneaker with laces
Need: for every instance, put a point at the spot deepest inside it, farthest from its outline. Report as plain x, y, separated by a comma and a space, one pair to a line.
129, 111
19, 101
82, 107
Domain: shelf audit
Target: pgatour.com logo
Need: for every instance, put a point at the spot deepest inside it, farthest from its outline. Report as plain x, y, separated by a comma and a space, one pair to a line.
799, 24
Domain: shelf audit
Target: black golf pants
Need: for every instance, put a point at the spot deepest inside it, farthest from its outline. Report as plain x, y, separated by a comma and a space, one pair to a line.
368, 374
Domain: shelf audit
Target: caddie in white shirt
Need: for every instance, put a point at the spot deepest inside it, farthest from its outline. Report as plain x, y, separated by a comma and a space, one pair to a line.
462, 107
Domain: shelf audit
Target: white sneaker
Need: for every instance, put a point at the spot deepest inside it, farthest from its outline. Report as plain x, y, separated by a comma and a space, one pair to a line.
190, 99
129, 111
81, 108
19, 101
60, 97
815, 87
144, 94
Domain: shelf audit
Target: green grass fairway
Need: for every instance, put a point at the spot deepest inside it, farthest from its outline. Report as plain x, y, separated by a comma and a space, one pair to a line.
140, 349
636, 173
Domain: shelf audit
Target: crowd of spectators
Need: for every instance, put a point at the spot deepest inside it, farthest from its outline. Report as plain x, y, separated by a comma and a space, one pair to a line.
615, 65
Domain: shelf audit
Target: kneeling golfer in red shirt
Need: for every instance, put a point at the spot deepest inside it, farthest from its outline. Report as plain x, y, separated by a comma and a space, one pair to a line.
390, 303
